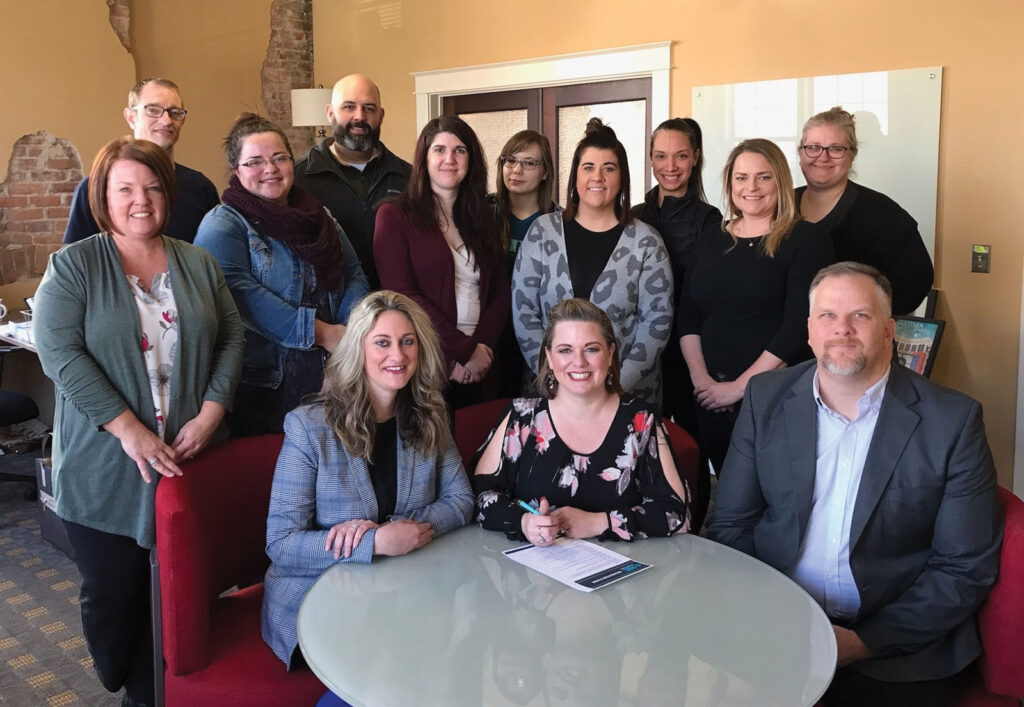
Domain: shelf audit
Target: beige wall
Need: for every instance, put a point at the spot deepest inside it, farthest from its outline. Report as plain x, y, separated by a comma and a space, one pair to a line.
746, 40
213, 50
62, 65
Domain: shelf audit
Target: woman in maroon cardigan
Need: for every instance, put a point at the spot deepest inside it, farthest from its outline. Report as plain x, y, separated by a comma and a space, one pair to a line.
438, 243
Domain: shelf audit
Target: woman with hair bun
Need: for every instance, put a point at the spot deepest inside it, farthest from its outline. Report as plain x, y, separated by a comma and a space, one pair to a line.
864, 225
597, 251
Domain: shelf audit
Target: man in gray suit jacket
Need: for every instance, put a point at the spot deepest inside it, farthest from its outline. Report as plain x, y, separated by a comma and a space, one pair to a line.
874, 489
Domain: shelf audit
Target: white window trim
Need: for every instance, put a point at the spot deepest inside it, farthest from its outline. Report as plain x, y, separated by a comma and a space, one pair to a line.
638, 61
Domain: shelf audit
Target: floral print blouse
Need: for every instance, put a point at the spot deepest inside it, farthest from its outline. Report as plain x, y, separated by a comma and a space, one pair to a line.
158, 318
622, 478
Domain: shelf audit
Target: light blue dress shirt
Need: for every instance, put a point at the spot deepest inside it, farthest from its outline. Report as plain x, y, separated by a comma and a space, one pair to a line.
823, 566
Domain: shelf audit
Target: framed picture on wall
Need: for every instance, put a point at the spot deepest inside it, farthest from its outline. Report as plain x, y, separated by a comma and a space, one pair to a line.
917, 342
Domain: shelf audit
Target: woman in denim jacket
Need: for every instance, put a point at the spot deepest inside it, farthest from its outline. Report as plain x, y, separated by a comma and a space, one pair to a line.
293, 274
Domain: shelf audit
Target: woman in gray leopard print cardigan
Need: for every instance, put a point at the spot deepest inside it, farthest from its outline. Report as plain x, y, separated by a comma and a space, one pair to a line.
563, 251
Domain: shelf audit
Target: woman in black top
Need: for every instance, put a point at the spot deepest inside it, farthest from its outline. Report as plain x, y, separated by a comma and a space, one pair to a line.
677, 208
591, 460
744, 307
864, 225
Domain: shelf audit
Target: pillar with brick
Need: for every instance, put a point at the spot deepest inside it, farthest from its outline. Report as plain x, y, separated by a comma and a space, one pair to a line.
289, 64
35, 202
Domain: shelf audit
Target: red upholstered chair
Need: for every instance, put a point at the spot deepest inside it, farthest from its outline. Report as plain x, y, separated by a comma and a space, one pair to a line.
999, 679
473, 423
688, 460
211, 536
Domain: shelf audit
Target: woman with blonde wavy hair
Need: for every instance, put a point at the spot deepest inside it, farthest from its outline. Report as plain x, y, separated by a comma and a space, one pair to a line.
381, 425
743, 309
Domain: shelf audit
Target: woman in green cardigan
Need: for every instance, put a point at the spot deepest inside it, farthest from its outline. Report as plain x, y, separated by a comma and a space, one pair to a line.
144, 345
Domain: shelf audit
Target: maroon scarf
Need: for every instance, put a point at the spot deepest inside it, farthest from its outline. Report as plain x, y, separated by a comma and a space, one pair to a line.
304, 226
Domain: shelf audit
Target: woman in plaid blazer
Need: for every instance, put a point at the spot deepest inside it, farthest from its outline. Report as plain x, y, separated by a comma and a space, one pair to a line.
370, 468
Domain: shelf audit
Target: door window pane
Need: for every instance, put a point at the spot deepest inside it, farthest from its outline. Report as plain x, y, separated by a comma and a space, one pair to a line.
629, 121
494, 128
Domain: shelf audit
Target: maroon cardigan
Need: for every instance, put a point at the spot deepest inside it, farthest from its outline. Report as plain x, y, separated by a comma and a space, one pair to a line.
418, 263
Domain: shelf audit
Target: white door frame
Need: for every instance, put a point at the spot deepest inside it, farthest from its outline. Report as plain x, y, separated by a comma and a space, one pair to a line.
638, 61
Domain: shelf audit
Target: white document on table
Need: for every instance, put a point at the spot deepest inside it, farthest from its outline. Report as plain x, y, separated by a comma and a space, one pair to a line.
577, 563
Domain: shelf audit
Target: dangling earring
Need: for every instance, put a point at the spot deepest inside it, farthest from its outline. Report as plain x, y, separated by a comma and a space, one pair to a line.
622, 199
609, 381
551, 384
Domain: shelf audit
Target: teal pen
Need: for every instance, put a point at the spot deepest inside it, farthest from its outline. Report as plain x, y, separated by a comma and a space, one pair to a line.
528, 507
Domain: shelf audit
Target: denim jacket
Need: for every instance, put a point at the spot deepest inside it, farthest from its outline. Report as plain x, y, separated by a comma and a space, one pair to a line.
267, 280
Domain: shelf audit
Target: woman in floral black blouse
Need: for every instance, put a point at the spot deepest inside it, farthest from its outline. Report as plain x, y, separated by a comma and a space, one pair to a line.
593, 461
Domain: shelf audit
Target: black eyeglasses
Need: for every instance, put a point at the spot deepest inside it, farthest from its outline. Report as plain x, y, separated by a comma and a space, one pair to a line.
834, 151
155, 111
528, 163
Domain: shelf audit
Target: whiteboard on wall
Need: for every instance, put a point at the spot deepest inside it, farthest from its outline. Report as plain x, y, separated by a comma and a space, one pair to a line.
897, 114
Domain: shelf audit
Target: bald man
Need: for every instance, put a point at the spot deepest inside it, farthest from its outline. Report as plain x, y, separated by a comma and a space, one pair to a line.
352, 171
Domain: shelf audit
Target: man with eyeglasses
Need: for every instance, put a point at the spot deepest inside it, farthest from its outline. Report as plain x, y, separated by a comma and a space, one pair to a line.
352, 171
155, 113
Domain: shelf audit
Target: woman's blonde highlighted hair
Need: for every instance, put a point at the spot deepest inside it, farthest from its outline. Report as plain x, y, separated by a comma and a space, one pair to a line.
786, 213
420, 409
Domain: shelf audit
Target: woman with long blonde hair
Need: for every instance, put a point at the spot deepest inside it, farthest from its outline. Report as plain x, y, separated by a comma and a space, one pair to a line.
744, 307
380, 425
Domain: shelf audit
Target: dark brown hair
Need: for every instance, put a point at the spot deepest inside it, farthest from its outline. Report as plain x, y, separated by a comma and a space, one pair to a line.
600, 136
146, 153
247, 124
471, 213
691, 129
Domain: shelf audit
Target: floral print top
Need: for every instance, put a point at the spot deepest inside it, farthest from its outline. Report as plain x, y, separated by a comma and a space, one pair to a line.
158, 318
623, 477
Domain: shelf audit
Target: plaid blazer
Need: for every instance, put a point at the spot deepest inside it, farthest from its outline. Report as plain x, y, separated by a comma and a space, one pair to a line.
317, 485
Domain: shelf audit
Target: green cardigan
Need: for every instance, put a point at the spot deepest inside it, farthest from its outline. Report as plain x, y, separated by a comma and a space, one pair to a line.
89, 340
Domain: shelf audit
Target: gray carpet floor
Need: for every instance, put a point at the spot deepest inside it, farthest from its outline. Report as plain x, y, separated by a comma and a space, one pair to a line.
43, 657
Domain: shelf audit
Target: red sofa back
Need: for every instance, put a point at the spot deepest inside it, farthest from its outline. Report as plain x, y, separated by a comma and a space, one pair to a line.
210, 536
1001, 618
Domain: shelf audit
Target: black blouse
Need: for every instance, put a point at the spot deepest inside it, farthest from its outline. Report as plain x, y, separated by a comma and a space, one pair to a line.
623, 477
383, 468
742, 302
588, 253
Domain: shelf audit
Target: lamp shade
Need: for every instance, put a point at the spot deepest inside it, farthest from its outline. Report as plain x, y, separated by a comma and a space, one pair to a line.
309, 106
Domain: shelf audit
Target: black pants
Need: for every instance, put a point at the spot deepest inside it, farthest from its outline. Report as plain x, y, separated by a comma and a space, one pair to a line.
115, 609
852, 689
716, 433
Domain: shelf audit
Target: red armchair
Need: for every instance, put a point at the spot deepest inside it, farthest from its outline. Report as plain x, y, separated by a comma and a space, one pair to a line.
211, 536
473, 423
999, 678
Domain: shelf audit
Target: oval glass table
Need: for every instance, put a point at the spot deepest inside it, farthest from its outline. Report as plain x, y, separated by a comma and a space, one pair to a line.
457, 623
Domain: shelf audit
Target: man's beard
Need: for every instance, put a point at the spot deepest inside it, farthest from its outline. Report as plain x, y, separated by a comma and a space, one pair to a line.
356, 143
850, 368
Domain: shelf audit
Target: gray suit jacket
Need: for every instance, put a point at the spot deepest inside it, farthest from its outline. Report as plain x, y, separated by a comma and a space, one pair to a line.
317, 485
926, 528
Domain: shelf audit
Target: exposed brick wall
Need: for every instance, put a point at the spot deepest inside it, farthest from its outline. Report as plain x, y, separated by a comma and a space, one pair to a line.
34, 203
121, 20
289, 64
